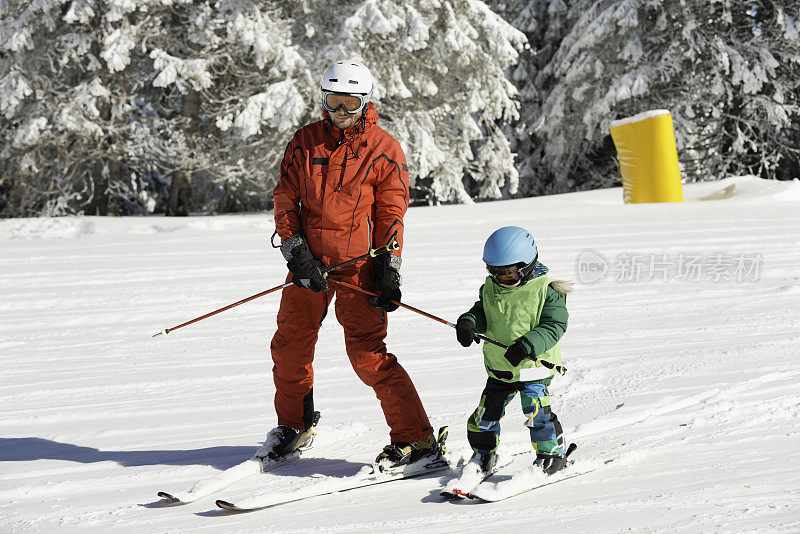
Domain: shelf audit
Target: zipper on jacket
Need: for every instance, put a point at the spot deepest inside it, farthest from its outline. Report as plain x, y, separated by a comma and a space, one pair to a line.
344, 168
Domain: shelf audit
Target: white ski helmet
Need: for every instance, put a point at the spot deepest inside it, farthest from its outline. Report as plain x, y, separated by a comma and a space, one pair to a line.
347, 77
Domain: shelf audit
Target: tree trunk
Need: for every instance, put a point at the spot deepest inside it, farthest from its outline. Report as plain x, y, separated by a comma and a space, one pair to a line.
98, 205
180, 194
105, 171
180, 191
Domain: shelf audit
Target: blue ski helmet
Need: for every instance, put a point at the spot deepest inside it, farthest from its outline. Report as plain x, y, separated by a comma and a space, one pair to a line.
508, 246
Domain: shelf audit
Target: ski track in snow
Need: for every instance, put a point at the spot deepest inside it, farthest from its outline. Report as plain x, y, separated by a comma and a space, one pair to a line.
684, 395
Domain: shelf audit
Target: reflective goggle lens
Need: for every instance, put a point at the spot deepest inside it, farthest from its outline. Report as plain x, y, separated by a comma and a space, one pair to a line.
350, 103
507, 274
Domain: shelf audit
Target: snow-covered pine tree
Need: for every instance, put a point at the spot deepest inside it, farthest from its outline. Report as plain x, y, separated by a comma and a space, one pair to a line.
65, 106
105, 101
727, 70
101, 98
545, 24
247, 87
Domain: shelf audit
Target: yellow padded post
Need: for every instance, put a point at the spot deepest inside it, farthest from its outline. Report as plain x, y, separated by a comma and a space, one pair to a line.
648, 157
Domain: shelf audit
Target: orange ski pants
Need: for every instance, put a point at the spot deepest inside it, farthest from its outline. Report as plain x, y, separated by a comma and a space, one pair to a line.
299, 319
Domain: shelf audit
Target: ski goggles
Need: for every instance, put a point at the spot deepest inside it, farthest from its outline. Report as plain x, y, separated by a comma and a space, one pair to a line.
350, 102
506, 275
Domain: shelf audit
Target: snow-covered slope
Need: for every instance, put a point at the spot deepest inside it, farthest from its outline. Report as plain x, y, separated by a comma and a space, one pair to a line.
683, 382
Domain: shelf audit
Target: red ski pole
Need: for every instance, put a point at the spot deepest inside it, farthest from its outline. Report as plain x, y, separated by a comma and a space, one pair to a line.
394, 245
559, 368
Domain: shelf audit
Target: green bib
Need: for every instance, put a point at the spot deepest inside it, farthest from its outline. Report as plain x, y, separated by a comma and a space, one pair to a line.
512, 312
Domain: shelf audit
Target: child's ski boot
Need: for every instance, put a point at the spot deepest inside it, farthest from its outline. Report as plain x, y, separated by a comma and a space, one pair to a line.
552, 463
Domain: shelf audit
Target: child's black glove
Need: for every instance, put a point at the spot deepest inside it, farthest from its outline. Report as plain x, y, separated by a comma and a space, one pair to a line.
516, 353
465, 332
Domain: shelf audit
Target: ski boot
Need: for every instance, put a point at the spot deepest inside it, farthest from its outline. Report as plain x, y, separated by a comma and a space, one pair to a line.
407, 452
552, 463
483, 462
284, 440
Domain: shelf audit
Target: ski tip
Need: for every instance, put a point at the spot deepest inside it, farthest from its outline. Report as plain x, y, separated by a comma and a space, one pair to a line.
225, 505
167, 496
461, 494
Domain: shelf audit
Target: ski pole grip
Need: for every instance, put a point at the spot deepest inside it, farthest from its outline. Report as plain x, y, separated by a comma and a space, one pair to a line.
393, 245
560, 369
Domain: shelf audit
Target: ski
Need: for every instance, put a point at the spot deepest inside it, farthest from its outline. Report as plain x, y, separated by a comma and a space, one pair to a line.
369, 475
460, 487
495, 494
463, 486
232, 475
499, 491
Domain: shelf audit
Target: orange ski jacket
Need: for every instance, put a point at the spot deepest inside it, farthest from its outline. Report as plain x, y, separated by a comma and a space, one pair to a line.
344, 191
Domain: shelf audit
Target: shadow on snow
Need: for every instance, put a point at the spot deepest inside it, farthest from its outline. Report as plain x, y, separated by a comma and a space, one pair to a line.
31, 449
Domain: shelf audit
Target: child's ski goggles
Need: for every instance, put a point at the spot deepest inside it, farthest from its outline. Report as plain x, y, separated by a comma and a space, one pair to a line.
510, 275
350, 102
506, 275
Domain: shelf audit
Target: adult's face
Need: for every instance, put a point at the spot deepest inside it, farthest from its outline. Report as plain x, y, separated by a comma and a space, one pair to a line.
342, 119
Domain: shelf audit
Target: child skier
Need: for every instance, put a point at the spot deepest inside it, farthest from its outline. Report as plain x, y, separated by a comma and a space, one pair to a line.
521, 307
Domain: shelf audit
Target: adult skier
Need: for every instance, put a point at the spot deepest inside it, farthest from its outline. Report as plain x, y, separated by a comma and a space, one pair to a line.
519, 306
343, 189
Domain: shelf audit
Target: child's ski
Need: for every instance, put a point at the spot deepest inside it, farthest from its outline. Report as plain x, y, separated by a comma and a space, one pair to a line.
495, 492
460, 487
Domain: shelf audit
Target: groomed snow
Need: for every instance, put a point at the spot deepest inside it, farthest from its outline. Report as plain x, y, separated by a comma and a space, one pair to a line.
683, 386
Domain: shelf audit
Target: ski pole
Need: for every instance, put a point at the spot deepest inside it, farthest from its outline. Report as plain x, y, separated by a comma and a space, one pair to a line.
559, 368
393, 245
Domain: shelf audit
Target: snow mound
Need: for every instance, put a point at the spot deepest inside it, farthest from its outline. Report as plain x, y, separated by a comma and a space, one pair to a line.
222, 223
45, 228
73, 227
744, 188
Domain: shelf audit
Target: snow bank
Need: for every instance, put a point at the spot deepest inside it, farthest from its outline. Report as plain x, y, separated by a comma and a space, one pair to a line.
76, 227
45, 228
744, 189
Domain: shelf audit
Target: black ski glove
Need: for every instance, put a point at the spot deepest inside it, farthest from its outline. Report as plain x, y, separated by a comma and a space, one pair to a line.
516, 353
465, 332
387, 279
306, 269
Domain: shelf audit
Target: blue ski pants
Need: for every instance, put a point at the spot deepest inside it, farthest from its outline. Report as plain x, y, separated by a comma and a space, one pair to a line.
483, 427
